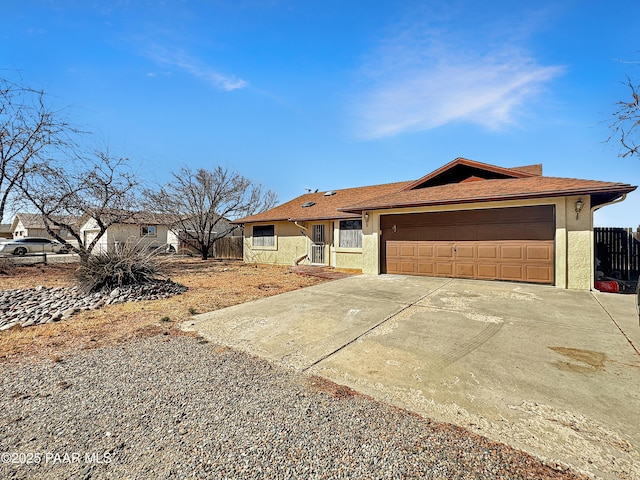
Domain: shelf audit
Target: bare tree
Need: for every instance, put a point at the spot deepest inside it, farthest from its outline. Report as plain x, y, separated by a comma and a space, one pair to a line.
29, 132
625, 127
201, 203
68, 193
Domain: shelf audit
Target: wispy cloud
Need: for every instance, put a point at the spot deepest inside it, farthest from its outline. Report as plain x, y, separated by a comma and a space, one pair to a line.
197, 68
423, 78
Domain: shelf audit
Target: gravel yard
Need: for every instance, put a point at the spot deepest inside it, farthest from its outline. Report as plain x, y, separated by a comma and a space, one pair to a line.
170, 406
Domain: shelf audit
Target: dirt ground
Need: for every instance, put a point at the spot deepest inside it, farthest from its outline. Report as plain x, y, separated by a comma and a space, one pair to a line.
212, 285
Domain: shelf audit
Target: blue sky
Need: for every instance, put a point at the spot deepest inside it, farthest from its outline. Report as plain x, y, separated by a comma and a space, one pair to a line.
333, 94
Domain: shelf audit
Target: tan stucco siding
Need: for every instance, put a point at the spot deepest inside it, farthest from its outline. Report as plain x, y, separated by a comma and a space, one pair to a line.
124, 233
573, 248
292, 243
371, 243
580, 255
289, 244
349, 259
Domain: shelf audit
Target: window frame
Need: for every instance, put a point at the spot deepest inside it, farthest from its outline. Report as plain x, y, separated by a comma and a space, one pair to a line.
149, 228
358, 245
261, 244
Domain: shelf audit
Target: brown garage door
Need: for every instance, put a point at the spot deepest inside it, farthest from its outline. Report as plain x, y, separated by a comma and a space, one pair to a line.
506, 244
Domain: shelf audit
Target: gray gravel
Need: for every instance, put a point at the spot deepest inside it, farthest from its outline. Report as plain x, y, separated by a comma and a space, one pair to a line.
178, 407
39, 305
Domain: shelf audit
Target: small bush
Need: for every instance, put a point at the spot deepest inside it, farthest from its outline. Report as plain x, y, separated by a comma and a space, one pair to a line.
192, 311
129, 265
7, 265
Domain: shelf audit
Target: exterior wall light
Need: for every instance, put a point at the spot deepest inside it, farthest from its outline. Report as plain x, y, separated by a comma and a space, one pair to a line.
578, 207
366, 217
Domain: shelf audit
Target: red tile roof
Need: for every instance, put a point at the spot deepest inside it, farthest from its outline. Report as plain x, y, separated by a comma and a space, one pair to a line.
515, 183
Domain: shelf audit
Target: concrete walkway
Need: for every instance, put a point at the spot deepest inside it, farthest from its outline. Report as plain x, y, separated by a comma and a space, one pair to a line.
552, 372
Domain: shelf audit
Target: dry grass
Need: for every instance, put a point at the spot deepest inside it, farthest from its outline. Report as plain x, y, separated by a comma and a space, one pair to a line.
212, 285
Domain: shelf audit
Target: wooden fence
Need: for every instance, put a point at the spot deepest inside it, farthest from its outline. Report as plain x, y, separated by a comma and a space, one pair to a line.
618, 251
225, 247
229, 247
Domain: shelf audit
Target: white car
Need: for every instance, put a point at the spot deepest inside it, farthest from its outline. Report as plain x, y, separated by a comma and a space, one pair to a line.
22, 246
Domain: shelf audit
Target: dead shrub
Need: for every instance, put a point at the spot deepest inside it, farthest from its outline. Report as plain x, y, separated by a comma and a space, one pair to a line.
131, 264
7, 265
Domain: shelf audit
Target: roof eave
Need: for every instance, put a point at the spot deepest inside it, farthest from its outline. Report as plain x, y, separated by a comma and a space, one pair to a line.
493, 198
338, 216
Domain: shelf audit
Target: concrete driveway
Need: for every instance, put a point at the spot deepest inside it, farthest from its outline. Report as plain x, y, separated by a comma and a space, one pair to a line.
552, 372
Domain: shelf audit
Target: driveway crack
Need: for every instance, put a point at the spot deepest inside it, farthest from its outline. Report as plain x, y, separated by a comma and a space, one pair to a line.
382, 322
616, 324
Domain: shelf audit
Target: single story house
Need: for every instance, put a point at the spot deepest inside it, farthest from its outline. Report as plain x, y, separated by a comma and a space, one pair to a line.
466, 219
5, 230
32, 225
144, 229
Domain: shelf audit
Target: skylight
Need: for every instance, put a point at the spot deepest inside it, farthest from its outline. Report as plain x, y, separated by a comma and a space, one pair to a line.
308, 204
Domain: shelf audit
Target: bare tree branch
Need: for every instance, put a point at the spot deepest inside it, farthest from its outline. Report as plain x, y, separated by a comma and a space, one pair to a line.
625, 127
201, 203
29, 132
68, 193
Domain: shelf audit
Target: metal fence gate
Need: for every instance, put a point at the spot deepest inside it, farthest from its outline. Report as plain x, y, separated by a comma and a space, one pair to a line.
317, 245
618, 252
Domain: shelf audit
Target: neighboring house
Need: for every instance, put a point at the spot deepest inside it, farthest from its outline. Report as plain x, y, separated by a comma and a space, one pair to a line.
32, 225
465, 220
144, 229
5, 230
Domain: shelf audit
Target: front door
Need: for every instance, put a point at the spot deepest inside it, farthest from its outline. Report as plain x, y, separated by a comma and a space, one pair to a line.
317, 245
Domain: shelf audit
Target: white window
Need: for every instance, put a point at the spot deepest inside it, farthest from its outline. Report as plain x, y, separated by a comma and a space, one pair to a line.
263, 236
350, 234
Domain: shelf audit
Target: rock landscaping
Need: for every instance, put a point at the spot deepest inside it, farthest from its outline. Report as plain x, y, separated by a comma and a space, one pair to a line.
39, 305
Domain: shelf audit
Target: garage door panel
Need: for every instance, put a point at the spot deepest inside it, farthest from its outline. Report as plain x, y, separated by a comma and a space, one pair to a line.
426, 268
512, 252
408, 267
393, 266
485, 232
465, 251
507, 244
539, 252
465, 270
466, 232
539, 274
444, 269
445, 233
488, 252
443, 251
407, 249
488, 271
511, 272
